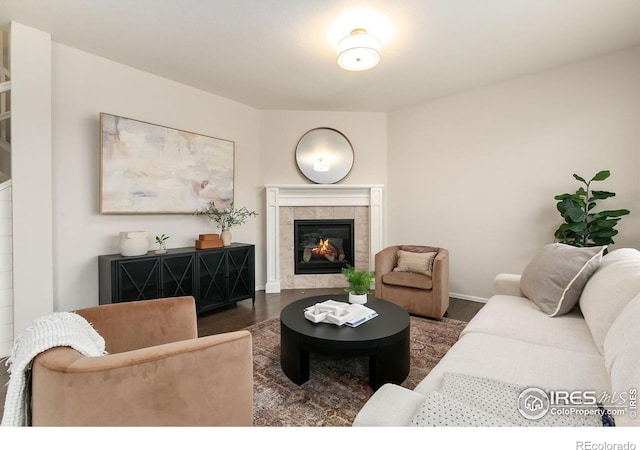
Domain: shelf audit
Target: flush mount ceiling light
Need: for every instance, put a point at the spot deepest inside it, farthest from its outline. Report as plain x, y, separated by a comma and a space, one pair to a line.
358, 51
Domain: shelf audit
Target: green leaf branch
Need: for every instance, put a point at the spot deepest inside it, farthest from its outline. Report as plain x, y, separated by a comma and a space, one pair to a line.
227, 217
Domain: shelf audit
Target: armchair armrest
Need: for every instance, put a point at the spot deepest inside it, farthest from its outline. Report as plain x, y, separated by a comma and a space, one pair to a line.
441, 275
386, 259
507, 284
198, 382
133, 325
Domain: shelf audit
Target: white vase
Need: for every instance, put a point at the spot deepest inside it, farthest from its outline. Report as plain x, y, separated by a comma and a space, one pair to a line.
226, 237
134, 243
360, 299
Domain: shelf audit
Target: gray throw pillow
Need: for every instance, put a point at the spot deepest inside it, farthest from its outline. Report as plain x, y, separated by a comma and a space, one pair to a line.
555, 277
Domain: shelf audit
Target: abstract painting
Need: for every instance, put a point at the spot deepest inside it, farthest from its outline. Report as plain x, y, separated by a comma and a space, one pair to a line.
151, 169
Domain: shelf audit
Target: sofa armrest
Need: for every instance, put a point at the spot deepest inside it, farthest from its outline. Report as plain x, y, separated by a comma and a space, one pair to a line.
389, 406
132, 325
199, 382
507, 284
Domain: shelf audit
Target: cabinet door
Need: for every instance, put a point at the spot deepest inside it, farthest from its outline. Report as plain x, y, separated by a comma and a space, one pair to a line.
177, 274
211, 280
137, 279
241, 270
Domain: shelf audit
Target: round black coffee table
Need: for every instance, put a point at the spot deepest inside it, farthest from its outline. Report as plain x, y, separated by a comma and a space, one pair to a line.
384, 339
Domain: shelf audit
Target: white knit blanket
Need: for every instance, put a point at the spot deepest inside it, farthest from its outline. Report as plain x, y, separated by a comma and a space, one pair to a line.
60, 329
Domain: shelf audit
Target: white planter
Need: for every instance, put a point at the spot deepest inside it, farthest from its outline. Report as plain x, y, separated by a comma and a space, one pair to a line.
360, 299
226, 237
134, 243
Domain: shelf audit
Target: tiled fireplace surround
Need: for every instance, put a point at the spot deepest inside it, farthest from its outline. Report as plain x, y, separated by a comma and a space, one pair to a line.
286, 203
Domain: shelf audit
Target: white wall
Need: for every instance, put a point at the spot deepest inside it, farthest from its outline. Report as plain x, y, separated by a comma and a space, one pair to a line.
85, 85
6, 270
477, 172
281, 131
31, 174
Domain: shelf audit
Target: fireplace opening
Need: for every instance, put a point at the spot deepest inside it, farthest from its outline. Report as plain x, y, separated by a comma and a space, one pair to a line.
323, 245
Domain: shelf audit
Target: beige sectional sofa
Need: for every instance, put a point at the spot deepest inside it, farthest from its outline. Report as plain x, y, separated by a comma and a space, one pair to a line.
511, 345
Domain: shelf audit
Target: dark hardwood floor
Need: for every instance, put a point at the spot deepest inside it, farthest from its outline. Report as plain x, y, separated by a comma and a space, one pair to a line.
266, 307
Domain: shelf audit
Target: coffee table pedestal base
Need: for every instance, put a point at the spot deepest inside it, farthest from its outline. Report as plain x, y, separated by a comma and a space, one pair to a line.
388, 363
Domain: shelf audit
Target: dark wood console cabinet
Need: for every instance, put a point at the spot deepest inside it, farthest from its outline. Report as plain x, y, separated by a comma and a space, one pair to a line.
215, 277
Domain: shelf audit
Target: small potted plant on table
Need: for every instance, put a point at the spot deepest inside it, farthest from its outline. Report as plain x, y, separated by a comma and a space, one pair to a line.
359, 284
162, 244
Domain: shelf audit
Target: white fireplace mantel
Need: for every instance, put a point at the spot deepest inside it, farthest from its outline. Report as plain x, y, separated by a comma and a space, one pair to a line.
319, 195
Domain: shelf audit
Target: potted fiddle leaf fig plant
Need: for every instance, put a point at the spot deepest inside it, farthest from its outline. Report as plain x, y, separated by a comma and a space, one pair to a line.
584, 227
359, 283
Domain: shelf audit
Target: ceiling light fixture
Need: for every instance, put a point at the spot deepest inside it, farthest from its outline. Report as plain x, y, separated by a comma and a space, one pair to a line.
358, 51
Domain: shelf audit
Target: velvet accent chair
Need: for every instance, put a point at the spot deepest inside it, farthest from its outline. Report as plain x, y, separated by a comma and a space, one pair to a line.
157, 372
420, 285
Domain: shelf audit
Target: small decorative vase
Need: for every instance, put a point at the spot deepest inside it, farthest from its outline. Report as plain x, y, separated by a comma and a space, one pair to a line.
162, 249
226, 237
360, 299
134, 243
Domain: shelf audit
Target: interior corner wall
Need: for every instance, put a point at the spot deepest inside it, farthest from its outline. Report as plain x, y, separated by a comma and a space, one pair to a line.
84, 85
281, 131
477, 172
31, 174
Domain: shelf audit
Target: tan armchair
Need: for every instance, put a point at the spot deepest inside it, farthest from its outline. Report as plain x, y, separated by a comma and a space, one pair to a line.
418, 294
157, 372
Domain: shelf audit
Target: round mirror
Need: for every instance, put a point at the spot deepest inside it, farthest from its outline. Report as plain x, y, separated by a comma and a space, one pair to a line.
324, 155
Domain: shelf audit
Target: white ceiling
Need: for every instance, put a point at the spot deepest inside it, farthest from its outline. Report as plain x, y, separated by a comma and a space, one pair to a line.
280, 54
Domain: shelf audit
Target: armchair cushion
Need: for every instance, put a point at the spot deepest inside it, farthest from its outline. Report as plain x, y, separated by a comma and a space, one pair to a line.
415, 262
408, 279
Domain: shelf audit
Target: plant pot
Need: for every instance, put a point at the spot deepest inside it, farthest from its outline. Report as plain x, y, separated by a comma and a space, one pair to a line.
226, 237
360, 299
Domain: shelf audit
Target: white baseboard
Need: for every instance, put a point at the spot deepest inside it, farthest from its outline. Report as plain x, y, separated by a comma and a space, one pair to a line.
471, 298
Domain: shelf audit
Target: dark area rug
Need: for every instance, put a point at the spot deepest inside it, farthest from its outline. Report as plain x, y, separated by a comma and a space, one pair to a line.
337, 388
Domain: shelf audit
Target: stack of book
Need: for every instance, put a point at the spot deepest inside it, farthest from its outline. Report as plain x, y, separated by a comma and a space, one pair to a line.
208, 241
339, 313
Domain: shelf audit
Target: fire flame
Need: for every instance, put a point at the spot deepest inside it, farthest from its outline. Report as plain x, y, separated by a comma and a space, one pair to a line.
323, 248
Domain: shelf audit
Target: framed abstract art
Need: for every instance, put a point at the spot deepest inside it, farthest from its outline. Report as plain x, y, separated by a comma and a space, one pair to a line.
151, 169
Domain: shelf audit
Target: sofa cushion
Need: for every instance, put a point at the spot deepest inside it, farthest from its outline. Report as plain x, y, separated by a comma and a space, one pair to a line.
609, 290
408, 279
555, 277
514, 361
518, 318
421, 263
621, 355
